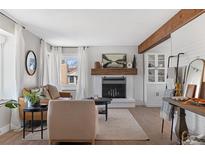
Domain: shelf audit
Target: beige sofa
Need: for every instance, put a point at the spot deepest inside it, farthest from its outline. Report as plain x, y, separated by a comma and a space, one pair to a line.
72, 121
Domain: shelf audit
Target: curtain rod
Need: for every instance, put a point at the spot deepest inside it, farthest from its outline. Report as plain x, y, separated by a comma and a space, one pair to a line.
72, 47
11, 19
68, 47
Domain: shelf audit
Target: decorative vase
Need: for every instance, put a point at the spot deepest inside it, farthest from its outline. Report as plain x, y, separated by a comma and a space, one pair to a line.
134, 62
97, 64
30, 104
129, 65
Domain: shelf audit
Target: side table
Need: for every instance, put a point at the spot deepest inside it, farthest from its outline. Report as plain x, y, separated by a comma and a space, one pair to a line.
32, 110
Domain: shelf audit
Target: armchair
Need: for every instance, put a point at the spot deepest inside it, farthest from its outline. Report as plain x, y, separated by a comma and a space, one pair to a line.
72, 121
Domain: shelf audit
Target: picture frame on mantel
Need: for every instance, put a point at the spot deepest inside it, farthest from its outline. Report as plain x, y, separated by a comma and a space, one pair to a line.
114, 60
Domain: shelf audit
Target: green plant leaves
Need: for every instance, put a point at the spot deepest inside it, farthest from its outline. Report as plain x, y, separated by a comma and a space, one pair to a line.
33, 97
11, 104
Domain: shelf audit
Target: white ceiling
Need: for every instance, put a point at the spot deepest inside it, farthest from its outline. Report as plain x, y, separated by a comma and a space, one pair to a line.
92, 27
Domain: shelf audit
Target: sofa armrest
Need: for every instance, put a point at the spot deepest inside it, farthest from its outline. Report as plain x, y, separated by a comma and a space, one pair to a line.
65, 94
44, 101
22, 105
96, 120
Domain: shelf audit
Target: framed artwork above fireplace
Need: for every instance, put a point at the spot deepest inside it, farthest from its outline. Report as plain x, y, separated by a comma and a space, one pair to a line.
114, 60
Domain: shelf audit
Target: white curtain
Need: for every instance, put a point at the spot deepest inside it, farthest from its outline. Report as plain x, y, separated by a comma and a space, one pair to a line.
54, 62
20, 70
43, 63
82, 84
2, 44
20, 58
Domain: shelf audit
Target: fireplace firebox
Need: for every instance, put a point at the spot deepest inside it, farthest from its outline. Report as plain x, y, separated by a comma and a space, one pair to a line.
114, 87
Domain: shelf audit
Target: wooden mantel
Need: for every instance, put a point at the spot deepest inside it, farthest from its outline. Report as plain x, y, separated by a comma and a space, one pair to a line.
114, 71
180, 19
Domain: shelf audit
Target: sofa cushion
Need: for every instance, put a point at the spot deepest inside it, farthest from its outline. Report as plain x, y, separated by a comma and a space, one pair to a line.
46, 93
53, 91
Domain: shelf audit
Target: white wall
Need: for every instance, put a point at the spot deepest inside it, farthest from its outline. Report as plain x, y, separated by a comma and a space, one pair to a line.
95, 54
6, 24
5, 116
190, 39
32, 42
70, 51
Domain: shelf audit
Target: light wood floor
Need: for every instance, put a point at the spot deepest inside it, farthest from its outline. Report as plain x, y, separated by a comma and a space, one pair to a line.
148, 118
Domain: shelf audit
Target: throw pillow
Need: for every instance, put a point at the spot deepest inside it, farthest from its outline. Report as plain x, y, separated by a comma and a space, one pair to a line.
53, 91
25, 90
46, 93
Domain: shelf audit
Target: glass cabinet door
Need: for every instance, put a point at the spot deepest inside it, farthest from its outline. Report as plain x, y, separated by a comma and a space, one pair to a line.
161, 75
156, 68
151, 75
151, 61
161, 60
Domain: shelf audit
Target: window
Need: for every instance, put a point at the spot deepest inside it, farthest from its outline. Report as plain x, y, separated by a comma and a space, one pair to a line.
69, 74
2, 45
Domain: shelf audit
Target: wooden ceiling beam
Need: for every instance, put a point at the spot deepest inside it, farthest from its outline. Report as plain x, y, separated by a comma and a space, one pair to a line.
164, 32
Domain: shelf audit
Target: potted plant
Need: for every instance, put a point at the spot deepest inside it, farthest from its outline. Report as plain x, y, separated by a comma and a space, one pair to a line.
32, 99
11, 104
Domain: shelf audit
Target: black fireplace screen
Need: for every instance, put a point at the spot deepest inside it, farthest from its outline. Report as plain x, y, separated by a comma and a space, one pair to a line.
114, 87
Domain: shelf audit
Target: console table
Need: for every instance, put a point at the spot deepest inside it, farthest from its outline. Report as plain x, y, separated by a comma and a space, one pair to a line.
181, 107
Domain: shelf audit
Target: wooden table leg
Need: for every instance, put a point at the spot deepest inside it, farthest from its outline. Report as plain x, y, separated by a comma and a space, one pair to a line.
172, 121
162, 129
32, 122
106, 111
181, 125
41, 124
24, 123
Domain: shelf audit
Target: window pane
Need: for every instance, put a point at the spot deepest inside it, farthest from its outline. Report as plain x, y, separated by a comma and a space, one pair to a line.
69, 70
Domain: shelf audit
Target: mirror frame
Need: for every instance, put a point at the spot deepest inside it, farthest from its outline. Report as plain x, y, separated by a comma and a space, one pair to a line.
26, 59
201, 77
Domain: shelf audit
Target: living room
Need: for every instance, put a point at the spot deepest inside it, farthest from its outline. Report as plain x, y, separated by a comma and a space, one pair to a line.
102, 77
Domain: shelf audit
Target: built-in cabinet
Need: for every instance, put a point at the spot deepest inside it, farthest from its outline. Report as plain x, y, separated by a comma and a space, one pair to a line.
155, 78
156, 69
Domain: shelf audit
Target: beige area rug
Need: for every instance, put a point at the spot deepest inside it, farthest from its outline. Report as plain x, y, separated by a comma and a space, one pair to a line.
121, 125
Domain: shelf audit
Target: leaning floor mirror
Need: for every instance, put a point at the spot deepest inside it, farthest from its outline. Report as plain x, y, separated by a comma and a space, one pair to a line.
194, 78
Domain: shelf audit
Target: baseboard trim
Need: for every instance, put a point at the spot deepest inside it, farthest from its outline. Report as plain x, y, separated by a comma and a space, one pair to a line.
4, 129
